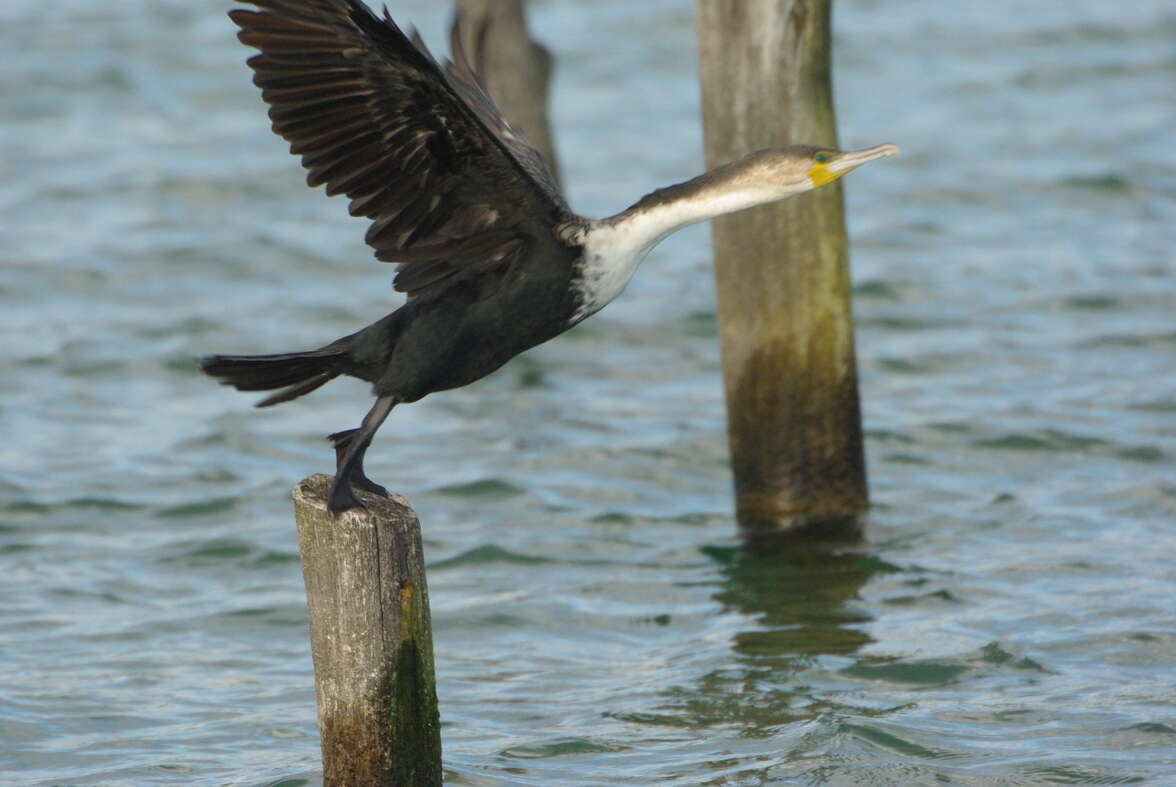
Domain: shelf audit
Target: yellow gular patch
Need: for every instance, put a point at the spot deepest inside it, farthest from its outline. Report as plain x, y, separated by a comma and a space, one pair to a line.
821, 175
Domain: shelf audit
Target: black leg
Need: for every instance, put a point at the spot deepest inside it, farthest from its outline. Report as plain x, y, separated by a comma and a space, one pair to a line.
341, 497
359, 479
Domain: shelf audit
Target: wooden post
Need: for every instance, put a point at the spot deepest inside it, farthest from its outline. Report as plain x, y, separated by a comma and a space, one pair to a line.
371, 640
517, 70
785, 323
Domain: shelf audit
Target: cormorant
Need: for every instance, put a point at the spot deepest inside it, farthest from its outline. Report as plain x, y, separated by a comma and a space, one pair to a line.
491, 257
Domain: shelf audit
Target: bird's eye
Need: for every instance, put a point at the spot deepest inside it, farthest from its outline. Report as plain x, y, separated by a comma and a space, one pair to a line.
821, 158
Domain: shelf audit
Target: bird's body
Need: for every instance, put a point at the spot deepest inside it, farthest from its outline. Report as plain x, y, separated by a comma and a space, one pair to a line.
492, 259
437, 342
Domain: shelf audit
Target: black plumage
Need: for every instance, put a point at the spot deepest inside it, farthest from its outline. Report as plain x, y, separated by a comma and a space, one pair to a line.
490, 256
455, 196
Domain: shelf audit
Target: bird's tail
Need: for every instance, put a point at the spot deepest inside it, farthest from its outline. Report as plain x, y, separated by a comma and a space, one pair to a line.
295, 373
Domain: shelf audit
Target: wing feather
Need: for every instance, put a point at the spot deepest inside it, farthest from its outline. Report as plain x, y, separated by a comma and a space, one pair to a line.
417, 147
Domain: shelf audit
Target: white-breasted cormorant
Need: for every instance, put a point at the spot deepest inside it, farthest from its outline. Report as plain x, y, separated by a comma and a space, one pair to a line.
491, 257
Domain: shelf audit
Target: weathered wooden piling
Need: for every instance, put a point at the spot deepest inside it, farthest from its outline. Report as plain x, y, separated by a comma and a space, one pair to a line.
516, 68
371, 639
782, 272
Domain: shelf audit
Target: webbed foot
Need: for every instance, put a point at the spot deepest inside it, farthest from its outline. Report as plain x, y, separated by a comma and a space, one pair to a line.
341, 498
359, 479
350, 446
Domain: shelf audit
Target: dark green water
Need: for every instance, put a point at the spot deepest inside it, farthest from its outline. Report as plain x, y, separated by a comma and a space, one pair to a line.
1010, 619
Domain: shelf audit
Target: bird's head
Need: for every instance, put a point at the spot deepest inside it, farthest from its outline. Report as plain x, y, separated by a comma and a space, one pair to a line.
826, 165
756, 179
798, 168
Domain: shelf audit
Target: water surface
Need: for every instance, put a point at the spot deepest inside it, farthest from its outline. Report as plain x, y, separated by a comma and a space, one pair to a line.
1009, 619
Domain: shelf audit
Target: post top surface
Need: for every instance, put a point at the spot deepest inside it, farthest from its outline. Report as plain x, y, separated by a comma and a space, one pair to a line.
312, 491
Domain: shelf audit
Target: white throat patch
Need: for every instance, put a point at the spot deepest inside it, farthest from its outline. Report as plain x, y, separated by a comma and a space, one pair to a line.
613, 248
611, 256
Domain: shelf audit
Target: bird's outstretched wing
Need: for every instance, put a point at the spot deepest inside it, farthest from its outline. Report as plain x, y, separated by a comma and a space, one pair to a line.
420, 149
467, 80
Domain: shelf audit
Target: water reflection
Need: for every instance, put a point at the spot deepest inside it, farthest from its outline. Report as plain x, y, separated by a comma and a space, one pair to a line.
801, 597
802, 602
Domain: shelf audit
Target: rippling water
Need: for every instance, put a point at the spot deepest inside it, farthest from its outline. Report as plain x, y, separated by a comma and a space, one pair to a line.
1009, 620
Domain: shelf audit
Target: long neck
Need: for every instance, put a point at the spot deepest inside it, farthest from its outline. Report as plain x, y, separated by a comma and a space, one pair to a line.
614, 247
660, 214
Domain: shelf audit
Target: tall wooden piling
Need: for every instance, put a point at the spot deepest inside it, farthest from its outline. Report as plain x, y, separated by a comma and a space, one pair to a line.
371, 639
785, 322
517, 69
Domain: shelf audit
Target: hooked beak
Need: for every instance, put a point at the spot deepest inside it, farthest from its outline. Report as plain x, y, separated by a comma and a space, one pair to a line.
848, 161
852, 159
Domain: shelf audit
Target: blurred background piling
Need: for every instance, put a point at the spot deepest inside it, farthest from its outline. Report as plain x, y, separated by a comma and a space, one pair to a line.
785, 321
516, 68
